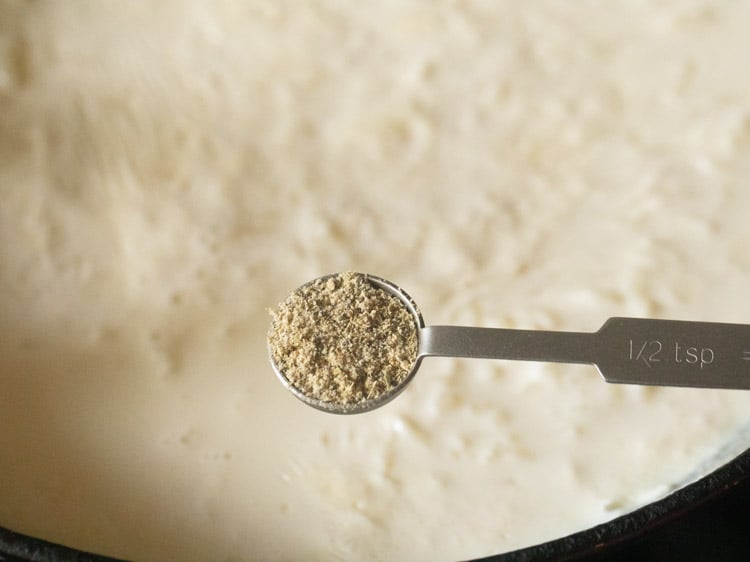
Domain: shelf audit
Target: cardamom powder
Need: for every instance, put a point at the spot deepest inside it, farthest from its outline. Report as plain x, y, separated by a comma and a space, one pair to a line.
342, 340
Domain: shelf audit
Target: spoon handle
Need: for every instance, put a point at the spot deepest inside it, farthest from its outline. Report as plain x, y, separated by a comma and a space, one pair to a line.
625, 350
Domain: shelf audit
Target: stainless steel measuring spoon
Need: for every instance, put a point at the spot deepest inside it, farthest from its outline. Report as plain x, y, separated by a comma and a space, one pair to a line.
624, 350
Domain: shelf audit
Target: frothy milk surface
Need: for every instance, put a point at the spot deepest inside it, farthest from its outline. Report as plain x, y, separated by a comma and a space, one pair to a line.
169, 170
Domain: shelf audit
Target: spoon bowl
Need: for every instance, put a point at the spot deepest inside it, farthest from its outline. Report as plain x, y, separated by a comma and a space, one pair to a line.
382, 398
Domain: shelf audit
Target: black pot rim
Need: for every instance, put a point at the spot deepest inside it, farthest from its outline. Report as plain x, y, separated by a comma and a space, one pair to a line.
16, 547
599, 539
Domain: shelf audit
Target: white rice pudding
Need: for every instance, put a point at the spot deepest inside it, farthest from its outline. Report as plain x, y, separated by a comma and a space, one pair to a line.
169, 170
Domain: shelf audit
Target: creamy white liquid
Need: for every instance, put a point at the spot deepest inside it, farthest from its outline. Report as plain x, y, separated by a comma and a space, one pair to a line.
169, 170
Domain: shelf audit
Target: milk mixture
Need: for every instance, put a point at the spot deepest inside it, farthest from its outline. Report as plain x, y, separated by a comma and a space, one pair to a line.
170, 170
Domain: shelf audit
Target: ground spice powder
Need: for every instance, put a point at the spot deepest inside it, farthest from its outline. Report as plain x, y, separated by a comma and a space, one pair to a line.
342, 340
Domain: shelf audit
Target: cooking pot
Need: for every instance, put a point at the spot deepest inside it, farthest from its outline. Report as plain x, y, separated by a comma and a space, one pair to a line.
594, 543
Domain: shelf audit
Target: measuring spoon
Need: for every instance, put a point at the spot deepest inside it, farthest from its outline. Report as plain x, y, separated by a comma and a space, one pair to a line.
624, 350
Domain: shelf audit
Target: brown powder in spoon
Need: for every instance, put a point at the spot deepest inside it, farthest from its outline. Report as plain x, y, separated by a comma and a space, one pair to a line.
343, 340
